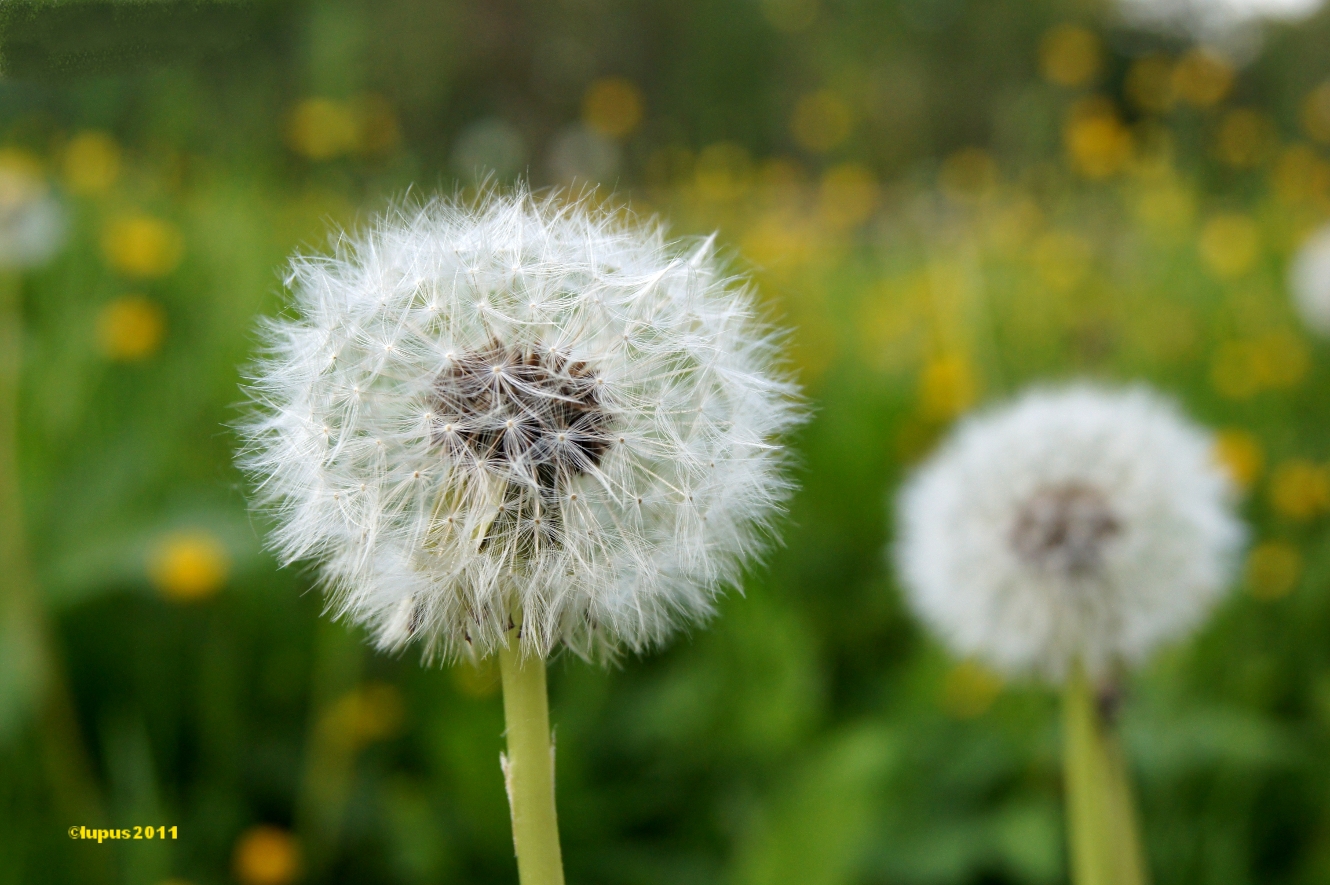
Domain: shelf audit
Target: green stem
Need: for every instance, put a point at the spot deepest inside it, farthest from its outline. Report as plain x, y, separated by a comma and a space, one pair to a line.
529, 767
1101, 825
1133, 870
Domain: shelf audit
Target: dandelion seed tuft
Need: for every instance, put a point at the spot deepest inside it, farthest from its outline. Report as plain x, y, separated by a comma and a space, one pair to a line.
520, 410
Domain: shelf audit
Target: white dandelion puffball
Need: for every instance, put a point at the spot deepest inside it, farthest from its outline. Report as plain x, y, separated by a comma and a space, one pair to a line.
1077, 523
32, 224
520, 410
1309, 280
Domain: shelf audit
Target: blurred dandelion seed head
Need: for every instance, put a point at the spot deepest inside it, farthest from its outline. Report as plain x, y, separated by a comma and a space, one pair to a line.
520, 408
1309, 280
1076, 523
32, 223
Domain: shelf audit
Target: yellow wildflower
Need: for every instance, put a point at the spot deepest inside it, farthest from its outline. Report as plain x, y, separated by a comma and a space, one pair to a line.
142, 246
1316, 113
1239, 453
189, 565
613, 106
130, 329
1229, 245
1273, 570
1300, 489
847, 195
1149, 83
1070, 55
266, 855
947, 387
1202, 77
1098, 143
91, 162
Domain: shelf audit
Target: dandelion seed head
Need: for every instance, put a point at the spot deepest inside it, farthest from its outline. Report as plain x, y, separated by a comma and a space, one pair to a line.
520, 409
32, 221
1077, 523
1309, 281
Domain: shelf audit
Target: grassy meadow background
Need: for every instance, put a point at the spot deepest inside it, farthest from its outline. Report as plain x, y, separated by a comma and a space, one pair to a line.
946, 200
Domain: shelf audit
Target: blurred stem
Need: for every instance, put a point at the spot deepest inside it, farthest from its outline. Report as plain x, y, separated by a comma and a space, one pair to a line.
29, 637
1123, 810
1101, 824
528, 767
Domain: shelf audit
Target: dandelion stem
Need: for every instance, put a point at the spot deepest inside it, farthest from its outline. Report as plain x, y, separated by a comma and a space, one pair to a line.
528, 767
1101, 825
1123, 810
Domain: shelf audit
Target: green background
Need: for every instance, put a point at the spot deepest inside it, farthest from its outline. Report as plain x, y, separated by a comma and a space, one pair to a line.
941, 211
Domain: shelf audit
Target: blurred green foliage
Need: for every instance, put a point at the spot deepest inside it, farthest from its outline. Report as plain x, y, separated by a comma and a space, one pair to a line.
946, 199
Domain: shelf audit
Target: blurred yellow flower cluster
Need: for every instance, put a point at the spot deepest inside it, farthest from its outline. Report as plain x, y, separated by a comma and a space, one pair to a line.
1274, 360
320, 128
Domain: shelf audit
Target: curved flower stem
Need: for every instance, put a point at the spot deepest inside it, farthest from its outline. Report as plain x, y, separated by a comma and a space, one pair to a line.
1101, 824
528, 767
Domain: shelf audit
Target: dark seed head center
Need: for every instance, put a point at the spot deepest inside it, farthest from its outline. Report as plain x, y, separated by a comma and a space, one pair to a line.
536, 410
1065, 529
